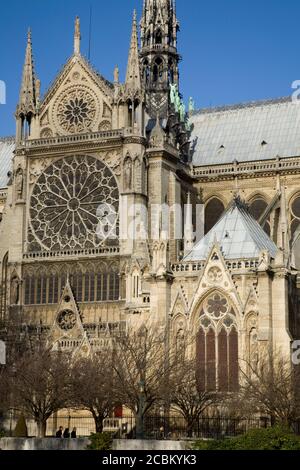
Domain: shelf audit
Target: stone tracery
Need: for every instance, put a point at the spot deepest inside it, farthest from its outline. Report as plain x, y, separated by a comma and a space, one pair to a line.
65, 202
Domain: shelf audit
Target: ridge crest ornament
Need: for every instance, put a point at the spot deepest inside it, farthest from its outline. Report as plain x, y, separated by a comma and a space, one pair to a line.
66, 202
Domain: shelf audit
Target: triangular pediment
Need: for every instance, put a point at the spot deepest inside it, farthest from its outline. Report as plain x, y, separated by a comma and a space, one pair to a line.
67, 332
216, 276
180, 303
78, 101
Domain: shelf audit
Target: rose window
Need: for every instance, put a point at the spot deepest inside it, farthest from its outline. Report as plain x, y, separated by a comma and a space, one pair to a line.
76, 111
74, 205
66, 320
217, 306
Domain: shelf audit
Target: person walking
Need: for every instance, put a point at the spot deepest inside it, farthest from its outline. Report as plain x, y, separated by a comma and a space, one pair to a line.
66, 433
74, 433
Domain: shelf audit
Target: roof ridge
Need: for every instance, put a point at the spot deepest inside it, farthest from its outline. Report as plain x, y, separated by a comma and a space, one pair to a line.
10, 139
242, 105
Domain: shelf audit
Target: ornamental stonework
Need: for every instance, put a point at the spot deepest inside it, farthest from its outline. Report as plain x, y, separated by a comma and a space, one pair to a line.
76, 110
65, 201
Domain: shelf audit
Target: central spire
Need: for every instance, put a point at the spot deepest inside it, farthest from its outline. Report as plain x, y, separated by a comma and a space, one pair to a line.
159, 56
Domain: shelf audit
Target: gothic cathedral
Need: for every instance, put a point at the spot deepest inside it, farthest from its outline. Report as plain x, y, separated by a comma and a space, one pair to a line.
121, 206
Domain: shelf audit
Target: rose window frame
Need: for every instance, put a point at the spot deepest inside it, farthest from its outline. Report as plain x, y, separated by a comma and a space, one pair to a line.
217, 313
76, 110
65, 205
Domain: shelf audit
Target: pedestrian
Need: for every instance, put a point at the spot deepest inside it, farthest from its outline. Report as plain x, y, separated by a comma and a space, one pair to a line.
59, 433
74, 433
66, 433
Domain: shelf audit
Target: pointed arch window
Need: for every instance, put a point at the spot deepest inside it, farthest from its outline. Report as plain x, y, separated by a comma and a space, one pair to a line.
257, 207
158, 37
217, 346
294, 219
213, 212
158, 70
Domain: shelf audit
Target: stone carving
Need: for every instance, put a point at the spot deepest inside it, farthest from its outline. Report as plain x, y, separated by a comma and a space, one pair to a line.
36, 168
65, 202
215, 275
46, 133
14, 291
19, 183
113, 160
127, 173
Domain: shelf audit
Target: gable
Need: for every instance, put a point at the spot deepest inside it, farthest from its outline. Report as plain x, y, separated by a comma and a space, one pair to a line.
79, 101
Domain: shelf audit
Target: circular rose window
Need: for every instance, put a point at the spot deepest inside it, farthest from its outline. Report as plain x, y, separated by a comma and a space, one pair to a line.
76, 111
66, 320
74, 205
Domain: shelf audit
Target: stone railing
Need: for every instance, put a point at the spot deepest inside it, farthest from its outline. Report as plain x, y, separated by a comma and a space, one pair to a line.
72, 139
197, 266
160, 48
247, 168
104, 251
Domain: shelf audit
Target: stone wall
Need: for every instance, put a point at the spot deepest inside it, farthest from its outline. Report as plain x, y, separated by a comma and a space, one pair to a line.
11, 443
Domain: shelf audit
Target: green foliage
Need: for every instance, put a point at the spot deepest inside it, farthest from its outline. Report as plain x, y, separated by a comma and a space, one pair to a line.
100, 441
21, 428
275, 438
2, 433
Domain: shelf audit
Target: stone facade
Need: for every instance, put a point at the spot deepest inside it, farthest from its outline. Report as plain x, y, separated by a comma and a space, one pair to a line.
95, 159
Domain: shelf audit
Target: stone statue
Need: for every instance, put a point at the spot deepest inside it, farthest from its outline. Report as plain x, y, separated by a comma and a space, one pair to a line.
173, 93
182, 111
14, 291
191, 105
177, 103
127, 173
19, 183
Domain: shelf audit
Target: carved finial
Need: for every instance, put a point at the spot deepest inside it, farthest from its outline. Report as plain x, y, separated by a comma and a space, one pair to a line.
77, 36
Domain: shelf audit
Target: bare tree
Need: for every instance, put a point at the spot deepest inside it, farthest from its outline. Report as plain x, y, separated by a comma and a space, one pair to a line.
142, 365
187, 396
270, 386
93, 386
38, 384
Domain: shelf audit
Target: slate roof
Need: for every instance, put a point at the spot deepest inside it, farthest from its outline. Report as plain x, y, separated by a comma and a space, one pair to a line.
238, 234
253, 131
7, 147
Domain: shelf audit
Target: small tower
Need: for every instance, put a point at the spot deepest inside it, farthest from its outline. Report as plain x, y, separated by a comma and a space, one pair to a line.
159, 56
27, 106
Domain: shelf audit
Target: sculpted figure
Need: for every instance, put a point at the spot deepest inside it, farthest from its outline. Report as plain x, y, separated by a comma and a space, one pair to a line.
127, 173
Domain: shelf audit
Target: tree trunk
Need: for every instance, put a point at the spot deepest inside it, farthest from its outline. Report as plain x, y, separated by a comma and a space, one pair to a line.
41, 427
99, 423
189, 428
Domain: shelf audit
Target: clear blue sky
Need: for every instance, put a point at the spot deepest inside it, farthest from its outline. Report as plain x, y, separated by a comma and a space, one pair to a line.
233, 50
